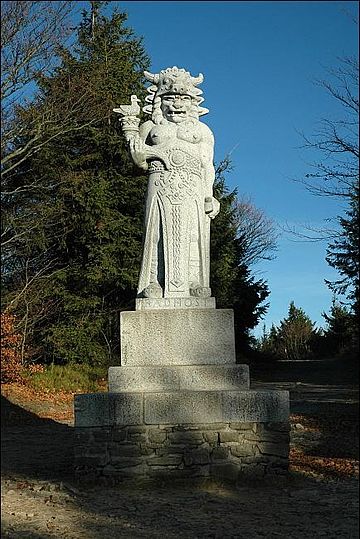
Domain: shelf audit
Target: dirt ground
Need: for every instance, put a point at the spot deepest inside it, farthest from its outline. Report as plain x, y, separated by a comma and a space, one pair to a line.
41, 500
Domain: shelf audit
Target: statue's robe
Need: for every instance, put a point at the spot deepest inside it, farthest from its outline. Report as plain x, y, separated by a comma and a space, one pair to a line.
177, 230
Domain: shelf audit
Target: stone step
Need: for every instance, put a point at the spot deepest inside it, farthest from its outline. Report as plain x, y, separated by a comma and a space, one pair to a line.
181, 407
178, 377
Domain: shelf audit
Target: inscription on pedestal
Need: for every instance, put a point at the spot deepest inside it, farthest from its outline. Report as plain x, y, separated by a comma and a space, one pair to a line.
143, 304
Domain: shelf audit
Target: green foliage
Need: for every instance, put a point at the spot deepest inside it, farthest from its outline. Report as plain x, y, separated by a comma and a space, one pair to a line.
10, 367
340, 333
76, 233
343, 255
69, 378
337, 175
296, 337
74, 208
266, 344
295, 334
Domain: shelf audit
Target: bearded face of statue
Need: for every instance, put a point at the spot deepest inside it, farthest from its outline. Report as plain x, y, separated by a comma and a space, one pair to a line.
176, 107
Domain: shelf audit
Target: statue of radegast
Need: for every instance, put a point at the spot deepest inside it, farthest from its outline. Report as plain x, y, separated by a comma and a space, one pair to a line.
178, 382
177, 151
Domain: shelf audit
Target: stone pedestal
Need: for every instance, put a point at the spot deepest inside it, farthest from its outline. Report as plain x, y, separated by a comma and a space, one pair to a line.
179, 405
177, 337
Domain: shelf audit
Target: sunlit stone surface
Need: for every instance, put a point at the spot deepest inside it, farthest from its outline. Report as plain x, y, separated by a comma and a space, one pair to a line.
178, 405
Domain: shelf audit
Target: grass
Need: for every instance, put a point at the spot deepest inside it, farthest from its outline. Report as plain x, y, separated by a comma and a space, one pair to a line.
70, 378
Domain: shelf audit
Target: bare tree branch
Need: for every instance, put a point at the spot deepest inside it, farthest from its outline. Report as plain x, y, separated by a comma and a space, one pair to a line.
257, 232
336, 173
30, 33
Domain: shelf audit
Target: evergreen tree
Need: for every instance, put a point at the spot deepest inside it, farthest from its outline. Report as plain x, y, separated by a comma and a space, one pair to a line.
266, 344
78, 264
339, 333
296, 338
295, 334
343, 255
74, 212
231, 280
336, 174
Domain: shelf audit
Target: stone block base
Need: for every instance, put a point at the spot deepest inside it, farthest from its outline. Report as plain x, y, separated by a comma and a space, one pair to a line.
180, 407
178, 378
177, 337
224, 451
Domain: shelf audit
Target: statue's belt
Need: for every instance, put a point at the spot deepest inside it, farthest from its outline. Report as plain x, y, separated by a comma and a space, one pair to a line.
176, 159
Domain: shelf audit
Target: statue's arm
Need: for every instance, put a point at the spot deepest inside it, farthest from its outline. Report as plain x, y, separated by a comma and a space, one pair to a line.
141, 152
137, 146
209, 171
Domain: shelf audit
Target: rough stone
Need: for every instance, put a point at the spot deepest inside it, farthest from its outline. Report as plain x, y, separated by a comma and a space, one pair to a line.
184, 454
220, 453
136, 429
123, 462
164, 460
92, 410
126, 408
145, 449
122, 450
189, 438
119, 435
211, 437
241, 450
130, 471
156, 436
229, 436
257, 406
268, 448
183, 407
200, 456
136, 437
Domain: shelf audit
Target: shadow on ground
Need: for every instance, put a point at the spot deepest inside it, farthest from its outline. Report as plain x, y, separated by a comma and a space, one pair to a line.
326, 372
34, 447
326, 392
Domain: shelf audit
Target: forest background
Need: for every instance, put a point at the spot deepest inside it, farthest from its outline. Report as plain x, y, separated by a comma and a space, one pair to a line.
73, 202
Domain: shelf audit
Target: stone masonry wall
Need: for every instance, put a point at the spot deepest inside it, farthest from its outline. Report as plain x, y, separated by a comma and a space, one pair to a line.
226, 451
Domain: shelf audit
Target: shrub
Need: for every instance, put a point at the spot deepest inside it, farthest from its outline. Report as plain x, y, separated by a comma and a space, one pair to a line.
71, 378
11, 367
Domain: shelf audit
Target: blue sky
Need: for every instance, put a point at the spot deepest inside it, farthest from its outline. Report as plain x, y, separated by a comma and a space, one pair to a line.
259, 60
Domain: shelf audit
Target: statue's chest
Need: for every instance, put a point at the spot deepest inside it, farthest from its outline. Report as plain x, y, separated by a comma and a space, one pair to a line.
191, 135
171, 136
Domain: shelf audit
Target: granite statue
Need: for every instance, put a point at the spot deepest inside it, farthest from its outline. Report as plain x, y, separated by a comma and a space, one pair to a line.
178, 384
177, 151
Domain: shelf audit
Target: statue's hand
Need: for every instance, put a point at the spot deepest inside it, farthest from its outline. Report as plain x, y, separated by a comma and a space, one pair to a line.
212, 207
138, 152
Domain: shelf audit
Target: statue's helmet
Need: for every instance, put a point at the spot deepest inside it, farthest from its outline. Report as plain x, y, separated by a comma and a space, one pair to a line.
174, 81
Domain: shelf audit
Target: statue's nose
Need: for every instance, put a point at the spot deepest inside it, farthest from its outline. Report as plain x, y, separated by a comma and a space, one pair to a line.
177, 103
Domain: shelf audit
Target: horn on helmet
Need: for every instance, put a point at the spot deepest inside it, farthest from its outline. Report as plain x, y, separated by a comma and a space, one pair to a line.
197, 80
151, 77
